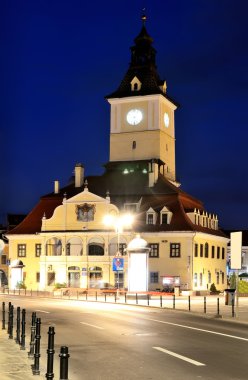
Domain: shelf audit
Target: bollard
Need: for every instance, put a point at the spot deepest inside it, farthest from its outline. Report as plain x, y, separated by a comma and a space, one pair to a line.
233, 313
36, 365
3, 316
18, 324
9, 318
174, 301
32, 336
161, 301
96, 296
147, 299
86, 295
11, 321
64, 356
125, 297
218, 306
136, 295
22, 346
50, 353
105, 295
115, 297
205, 305
189, 303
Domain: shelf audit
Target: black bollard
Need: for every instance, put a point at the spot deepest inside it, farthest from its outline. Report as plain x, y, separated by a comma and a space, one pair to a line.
174, 301
11, 321
218, 306
189, 303
136, 296
36, 366
161, 301
148, 299
22, 345
125, 297
18, 324
115, 297
96, 296
32, 336
233, 312
9, 318
50, 353
105, 296
64, 356
205, 305
3, 316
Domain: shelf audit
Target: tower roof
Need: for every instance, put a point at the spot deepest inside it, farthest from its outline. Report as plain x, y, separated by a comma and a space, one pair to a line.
143, 67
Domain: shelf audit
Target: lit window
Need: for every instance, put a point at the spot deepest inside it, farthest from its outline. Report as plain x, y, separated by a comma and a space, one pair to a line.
175, 249
154, 250
200, 279
195, 279
21, 250
37, 250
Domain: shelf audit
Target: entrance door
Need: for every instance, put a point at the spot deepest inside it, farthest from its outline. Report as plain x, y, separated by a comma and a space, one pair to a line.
74, 279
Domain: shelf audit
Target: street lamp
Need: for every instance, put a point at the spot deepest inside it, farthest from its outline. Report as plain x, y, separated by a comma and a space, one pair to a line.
119, 223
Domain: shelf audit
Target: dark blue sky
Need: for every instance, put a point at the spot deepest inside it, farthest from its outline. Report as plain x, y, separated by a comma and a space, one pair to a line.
60, 58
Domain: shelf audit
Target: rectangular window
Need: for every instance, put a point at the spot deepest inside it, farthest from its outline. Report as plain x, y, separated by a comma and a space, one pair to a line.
122, 247
201, 250
154, 252
195, 279
200, 279
37, 250
164, 219
223, 277
217, 278
3, 259
50, 278
150, 219
209, 277
213, 251
154, 277
218, 252
21, 250
175, 249
38, 277
223, 254
196, 250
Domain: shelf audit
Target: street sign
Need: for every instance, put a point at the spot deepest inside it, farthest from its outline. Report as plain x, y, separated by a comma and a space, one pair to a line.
118, 264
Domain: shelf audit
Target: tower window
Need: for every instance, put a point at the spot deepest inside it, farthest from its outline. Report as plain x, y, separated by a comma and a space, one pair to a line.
135, 86
134, 145
150, 219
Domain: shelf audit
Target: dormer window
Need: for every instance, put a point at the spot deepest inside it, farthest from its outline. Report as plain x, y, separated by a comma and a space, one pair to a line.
135, 84
151, 216
165, 216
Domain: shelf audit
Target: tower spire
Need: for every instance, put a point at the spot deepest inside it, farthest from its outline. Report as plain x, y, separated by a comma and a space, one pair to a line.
143, 17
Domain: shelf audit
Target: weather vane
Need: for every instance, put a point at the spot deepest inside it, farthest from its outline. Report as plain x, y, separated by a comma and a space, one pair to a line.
143, 17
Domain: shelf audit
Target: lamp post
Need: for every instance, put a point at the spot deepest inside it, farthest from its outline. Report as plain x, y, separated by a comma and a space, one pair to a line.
119, 223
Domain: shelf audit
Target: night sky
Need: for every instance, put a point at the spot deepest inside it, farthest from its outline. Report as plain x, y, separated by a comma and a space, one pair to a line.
60, 58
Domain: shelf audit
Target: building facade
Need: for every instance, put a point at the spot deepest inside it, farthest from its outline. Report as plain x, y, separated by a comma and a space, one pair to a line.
64, 238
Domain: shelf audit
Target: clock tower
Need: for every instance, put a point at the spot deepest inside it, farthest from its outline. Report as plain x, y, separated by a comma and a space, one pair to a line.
142, 115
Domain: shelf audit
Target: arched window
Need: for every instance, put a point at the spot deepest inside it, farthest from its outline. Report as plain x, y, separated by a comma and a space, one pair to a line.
54, 247
96, 249
74, 247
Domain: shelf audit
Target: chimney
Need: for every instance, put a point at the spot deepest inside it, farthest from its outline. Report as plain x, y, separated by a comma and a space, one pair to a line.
56, 187
79, 175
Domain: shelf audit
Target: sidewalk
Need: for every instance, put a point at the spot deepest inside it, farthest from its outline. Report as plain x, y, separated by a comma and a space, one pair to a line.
14, 363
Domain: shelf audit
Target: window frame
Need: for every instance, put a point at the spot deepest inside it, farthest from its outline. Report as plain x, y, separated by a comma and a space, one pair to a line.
21, 250
176, 249
154, 250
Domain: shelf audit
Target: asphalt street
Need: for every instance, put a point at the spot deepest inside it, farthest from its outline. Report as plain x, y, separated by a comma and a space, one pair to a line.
110, 341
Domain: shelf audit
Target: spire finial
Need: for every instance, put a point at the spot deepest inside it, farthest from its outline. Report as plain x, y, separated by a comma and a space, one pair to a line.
143, 17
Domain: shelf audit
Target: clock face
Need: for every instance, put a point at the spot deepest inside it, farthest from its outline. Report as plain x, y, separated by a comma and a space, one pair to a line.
134, 117
166, 120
